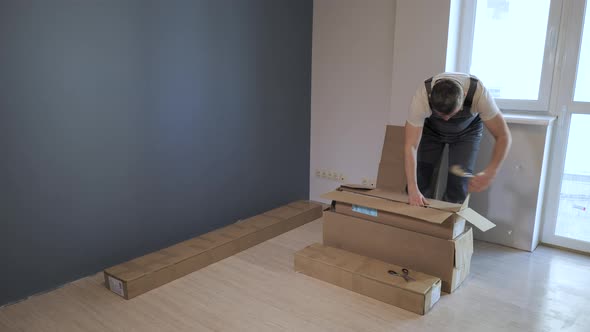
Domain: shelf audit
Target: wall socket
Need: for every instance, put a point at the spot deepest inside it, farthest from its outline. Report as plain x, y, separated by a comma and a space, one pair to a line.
330, 175
340, 177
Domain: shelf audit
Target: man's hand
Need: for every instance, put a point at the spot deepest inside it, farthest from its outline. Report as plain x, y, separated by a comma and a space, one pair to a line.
499, 129
416, 198
481, 181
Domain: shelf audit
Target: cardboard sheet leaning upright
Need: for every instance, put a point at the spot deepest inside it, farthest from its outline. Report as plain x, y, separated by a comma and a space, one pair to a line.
379, 223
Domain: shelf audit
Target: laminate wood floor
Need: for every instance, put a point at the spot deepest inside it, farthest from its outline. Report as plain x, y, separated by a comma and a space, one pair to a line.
257, 290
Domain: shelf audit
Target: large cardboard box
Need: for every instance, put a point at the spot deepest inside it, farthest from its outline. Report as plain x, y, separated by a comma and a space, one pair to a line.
145, 273
447, 259
440, 219
388, 202
369, 277
380, 223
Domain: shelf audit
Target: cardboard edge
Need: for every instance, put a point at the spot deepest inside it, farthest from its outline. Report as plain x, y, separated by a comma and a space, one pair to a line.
200, 253
205, 252
448, 230
476, 219
255, 230
125, 294
466, 202
464, 242
242, 224
298, 253
460, 275
354, 278
445, 215
432, 296
356, 186
330, 219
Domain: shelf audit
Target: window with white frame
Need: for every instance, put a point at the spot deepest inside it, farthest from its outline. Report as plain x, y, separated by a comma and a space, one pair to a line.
510, 45
582, 89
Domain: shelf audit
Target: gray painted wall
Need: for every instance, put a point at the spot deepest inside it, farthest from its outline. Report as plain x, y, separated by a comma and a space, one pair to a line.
127, 126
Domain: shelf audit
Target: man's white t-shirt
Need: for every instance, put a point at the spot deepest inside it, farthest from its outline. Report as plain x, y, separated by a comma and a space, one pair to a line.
483, 103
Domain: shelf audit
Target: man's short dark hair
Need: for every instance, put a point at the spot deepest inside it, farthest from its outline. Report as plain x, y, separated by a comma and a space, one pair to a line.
446, 96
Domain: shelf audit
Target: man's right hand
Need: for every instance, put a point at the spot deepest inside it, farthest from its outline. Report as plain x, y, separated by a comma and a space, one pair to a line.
416, 198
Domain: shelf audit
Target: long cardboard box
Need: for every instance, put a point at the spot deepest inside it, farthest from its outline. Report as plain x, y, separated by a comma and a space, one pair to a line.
447, 259
148, 272
448, 230
369, 277
440, 219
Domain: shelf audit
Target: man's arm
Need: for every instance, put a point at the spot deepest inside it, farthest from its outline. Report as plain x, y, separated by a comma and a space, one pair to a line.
499, 129
412, 141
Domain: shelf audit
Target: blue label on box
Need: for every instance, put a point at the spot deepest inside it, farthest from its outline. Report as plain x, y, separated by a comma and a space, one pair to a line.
364, 210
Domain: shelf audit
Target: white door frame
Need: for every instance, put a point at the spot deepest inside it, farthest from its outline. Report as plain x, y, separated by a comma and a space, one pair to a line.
564, 85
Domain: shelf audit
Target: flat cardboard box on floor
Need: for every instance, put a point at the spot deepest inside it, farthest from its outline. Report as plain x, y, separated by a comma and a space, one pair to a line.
369, 277
440, 219
148, 272
447, 259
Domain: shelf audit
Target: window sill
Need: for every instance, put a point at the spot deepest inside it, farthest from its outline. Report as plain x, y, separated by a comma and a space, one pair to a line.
537, 120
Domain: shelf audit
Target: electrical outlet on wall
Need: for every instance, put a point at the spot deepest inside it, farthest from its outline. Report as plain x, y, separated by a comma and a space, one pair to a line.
335, 176
330, 175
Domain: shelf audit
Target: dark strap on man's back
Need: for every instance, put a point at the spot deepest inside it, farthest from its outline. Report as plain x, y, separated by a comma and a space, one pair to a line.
470, 93
428, 84
468, 99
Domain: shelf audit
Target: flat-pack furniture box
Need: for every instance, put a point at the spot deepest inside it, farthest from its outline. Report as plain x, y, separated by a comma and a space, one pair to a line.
448, 260
440, 219
148, 272
379, 222
370, 277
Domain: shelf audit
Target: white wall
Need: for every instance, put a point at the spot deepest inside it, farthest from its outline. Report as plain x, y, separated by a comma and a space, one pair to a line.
454, 34
369, 56
351, 88
421, 30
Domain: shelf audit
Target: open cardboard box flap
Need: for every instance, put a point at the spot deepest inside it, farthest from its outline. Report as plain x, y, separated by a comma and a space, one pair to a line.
401, 197
437, 212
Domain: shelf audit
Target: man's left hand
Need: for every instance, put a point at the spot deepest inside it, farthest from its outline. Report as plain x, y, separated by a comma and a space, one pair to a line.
481, 182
